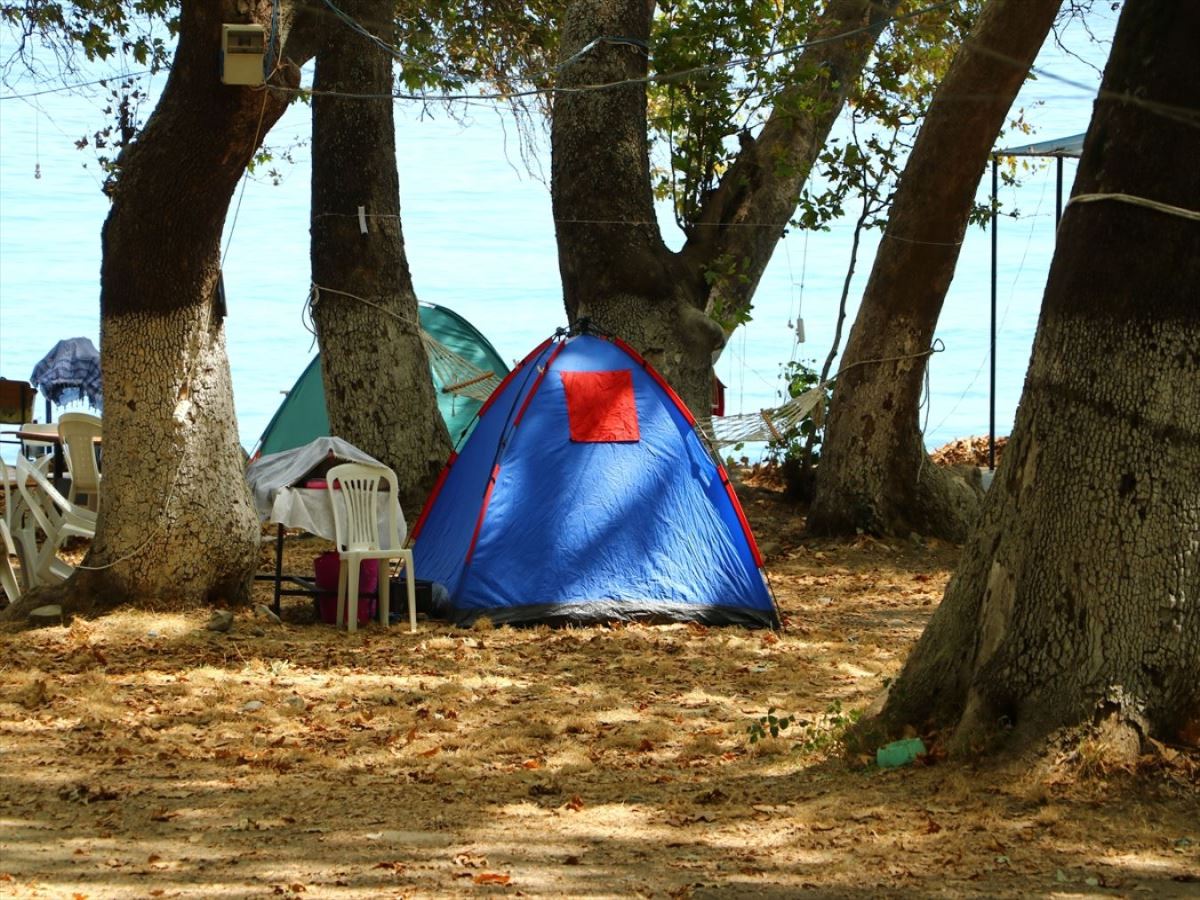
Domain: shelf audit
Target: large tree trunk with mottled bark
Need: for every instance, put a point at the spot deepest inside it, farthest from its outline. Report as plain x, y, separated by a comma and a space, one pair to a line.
176, 523
616, 270
378, 388
874, 473
1079, 593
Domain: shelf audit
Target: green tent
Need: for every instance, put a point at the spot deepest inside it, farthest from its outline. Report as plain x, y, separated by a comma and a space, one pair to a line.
301, 416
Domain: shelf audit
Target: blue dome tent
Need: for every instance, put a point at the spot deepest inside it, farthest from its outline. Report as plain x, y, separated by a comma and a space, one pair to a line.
585, 494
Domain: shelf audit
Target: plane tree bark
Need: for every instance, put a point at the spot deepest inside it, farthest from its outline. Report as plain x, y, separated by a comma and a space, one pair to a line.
378, 389
875, 475
1078, 596
616, 270
176, 523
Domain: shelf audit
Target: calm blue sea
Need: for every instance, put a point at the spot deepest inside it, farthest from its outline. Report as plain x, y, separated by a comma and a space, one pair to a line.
480, 239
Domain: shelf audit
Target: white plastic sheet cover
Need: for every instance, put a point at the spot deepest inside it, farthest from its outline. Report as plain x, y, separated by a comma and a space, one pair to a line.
289, 468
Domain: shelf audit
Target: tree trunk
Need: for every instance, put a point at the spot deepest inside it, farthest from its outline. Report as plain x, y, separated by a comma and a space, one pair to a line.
176, 523
615, 268
874, 474
1079, 592
378, 388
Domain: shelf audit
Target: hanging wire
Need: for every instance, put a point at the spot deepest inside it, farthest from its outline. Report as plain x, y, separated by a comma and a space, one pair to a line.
448, 74
1184, 115
681, 74
1144, 202
262, 111
74, 86
37, 145
800, 298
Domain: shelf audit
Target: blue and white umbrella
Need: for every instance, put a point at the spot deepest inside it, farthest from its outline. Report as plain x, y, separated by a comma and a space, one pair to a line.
69, 372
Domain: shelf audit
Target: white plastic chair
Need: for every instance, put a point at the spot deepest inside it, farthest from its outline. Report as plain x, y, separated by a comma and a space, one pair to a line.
31, 447
18, 520
8, 486
79, 431
354, 496
8, 578
57, 517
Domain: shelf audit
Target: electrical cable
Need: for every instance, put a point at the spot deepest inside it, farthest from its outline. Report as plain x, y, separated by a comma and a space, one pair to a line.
73, 87
678, 75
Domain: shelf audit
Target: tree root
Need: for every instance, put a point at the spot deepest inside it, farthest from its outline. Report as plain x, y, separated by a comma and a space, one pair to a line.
55, 594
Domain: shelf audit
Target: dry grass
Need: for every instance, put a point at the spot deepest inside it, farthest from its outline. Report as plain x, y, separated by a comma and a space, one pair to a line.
141, 755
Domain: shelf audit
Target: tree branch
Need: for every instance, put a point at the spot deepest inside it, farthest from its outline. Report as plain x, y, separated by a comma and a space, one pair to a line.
742, 220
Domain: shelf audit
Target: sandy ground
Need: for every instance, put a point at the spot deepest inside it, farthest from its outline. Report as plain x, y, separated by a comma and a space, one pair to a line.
144, 756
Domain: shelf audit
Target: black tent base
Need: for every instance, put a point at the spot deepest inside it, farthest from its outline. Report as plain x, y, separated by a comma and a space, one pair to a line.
601, 612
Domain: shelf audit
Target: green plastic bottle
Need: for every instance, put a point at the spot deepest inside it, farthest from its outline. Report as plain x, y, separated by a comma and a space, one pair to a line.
899, 753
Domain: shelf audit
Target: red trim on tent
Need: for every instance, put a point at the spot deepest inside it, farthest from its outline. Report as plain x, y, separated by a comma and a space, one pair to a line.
487, 404
433, 495
741, 514
538, 383
662, 382
687, 413
733, 498
487, 498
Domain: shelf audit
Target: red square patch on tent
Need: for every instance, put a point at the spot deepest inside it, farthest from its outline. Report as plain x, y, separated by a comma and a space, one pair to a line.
601, 406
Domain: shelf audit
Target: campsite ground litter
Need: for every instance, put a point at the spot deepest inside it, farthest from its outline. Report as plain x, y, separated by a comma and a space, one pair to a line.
141, 755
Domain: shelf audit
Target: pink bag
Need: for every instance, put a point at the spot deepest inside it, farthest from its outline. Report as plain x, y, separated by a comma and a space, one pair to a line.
325, 571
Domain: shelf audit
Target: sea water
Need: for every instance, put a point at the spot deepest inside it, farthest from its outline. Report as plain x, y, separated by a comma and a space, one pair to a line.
479, 235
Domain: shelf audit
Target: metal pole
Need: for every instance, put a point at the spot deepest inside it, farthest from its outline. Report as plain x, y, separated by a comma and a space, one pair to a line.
278, 567
992, 354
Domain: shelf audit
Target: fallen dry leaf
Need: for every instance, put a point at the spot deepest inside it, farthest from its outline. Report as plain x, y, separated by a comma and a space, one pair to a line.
491, 878
159, 732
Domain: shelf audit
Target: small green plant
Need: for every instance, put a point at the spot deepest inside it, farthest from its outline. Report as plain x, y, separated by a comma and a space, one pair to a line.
823, 734
829, 729
770, 724
797, 449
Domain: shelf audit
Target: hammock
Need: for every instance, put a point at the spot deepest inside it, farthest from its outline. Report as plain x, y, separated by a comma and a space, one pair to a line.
455, 374
766, 424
